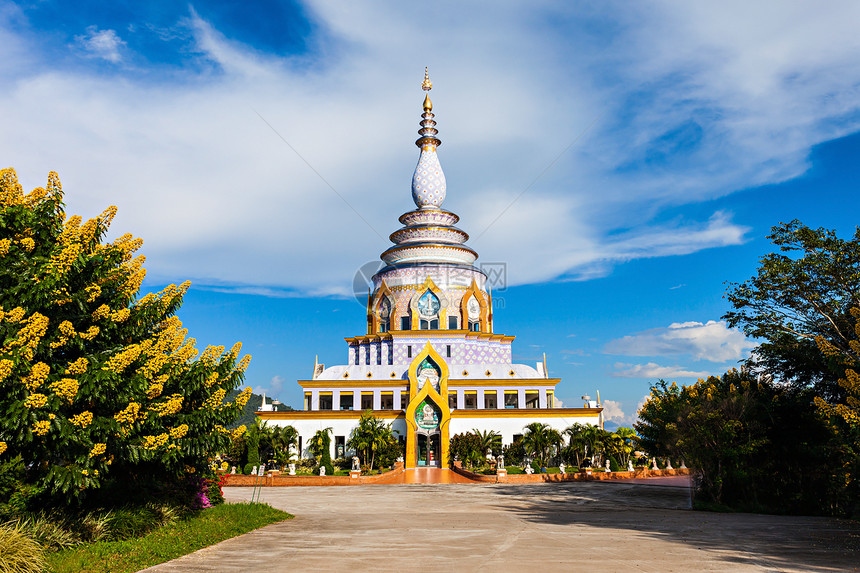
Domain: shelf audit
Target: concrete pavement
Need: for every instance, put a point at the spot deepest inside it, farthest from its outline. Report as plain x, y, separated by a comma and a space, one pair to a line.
589, 526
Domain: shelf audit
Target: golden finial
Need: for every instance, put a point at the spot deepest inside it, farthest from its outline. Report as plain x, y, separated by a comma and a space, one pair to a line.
427, 85
428, 105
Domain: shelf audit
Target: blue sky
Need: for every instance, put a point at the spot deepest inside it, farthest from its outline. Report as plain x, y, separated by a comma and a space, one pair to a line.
624, 160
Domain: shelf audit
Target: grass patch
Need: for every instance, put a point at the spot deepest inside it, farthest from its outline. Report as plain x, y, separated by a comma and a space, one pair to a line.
169, 542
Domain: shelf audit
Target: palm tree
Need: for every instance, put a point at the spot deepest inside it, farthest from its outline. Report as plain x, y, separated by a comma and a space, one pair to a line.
541, 440
624, 444
576, 443
283, 438
369, 437
491, 441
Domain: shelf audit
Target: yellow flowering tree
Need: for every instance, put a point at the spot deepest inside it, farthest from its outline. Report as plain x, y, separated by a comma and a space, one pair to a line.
98, 386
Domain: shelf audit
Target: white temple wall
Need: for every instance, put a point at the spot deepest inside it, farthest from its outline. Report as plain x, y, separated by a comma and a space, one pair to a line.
507, 427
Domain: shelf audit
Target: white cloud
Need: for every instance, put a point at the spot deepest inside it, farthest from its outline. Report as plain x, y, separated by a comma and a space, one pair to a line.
711, 98
612, 411
104, 44
713, 341
652, 370
273, 388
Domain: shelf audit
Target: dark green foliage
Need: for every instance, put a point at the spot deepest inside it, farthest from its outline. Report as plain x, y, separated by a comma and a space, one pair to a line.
247, 469
613, 464
374, 442
320, 446
514, 453
466, 448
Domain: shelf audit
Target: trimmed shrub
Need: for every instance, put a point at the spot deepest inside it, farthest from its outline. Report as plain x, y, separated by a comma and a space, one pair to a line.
613, 464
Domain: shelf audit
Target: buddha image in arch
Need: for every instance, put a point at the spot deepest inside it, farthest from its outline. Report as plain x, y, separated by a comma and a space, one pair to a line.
428, 372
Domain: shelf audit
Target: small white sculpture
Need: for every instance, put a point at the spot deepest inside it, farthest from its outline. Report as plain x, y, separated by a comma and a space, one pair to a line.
292, 469
400, 459
254, 471
530, 470
630, 465
322, 470
669, 464
500, 462
654, 464
233, 470
608, 468
683, 465
561, 468
356, 463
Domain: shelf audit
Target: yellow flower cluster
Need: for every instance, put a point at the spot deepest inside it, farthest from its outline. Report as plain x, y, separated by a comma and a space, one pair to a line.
85, 472
211, 380
35, 400
239, 432
67, 330
211, 354
135, 273
35, 196
91, 333
93, 292
179, 431
38, 374
214, 400
171, 406
66, 388
129, 414
243, 364
32, 332
98, 450
190, 469
128, 245
79, 366
101, 312
5, 368
224, 466
41, 427
120, 315
4, 246
2, 447
15, 315
243, 397
234, 352
82, 420
28, 244
120, 361
154, 390
154, 442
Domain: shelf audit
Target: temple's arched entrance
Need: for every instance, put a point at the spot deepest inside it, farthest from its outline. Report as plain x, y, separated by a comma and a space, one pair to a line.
428, 445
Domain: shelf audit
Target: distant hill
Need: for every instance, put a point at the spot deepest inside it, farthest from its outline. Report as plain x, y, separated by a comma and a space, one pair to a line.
254, 403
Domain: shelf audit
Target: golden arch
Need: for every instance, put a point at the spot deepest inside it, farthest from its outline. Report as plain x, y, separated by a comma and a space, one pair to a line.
417, 395
373, 307
443, 304
484, 319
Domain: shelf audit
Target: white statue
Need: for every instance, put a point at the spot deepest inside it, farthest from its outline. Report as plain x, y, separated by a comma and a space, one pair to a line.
683, 465
356, 463
254, 471
322, 470
561, 468
233, 470
669, 464
630, 465
608, 468
400, 459
500, 462
530, 470
292, 469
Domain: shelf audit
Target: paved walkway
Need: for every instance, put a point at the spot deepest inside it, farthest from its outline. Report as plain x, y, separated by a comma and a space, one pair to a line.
427, 475
576, 526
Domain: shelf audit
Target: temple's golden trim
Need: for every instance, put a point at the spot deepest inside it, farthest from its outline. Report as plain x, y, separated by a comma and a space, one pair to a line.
329, 414
416, 395
458, 382
528, 413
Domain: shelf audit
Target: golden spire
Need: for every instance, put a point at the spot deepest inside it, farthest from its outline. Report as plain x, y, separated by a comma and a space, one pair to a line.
428, 105
427, 85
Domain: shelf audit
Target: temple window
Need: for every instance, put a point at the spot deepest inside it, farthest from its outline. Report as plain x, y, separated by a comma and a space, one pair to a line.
512, 399
408, 352
404, 399
428, 311
384, 315
470, 399
405, 323
325, 400
452, 399
550, 399
447, 351
473, 314
386, 401
532, 398
339, 446
490, 400
346, 401
452, 323
367, 400
308, 400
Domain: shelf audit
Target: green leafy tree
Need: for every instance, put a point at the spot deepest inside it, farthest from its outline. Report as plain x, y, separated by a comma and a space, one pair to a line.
371, 438
98, 386
320, 446
491, 441
540, 440
466, 448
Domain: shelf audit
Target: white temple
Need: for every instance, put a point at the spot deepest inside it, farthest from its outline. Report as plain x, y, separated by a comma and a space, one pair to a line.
430, 361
